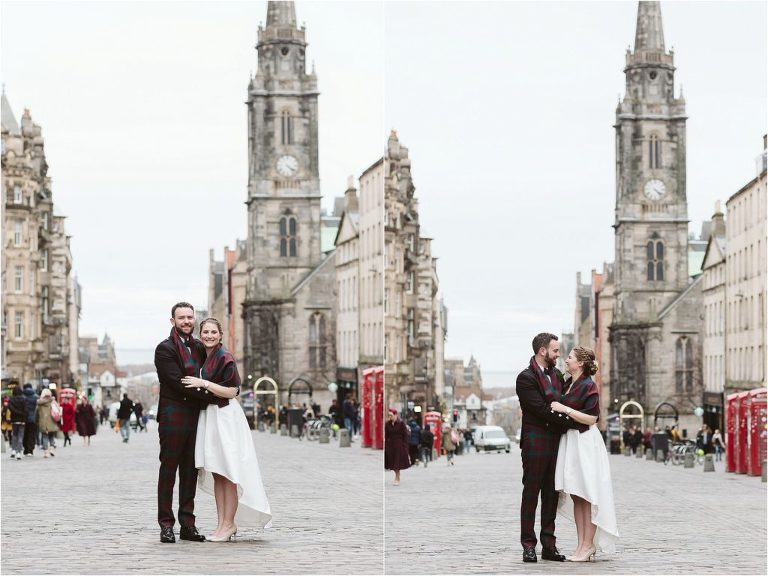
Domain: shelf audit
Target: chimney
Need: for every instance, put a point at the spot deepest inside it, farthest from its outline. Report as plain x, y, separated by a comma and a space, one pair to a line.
718, 221
350, 196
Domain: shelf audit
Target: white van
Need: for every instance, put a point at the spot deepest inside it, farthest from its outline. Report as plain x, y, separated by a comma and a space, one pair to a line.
491, 438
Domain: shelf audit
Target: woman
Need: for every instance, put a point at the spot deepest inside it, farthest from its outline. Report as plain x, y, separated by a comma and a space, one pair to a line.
396, 435
67, 421
18, 408
582, 471
224, 453
85, 420
719, 444
7, 425
45, 421
449, 443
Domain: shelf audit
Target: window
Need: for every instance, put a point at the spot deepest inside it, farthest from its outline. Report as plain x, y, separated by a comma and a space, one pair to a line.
411, 323
45, 220
684, 365
19, 325
317, 341
655, 256
409, 277
19, 280
286, 128
44, 304
17, 198
654, 151
287, 235
17, 234
44, 260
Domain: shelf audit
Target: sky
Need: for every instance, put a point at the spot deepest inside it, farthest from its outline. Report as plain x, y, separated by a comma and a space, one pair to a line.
508, 108
142, 110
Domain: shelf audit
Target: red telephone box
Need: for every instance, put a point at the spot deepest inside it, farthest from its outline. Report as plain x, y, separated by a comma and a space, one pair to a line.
68, 396
757, 419
435, 421
731, 427
741, 433
373, 408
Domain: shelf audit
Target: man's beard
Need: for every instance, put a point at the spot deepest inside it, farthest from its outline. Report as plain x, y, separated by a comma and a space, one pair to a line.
550, 361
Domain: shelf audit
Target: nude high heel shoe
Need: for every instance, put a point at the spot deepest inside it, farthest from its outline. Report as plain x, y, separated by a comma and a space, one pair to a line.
228, 535
586, 557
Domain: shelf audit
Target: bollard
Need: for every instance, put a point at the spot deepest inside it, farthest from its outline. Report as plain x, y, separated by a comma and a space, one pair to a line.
659, 455
765, 468
294, 431
325, 436
627, 451
273, 428
690, 461
343, 438
262, 427
283, 430
709, 463
639, 453
3, 452
649, 454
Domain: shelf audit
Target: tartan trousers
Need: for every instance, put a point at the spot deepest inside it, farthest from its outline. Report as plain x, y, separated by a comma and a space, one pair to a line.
538, 448
177, 426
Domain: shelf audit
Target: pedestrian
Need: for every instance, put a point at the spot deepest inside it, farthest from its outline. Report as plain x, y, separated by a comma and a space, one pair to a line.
718, 444
647, 439
449, 441
414, 440
30, 430
704, 439
537, 387
18, 408
67, 421
47, 416
637, 440
628, 437
333, 411
348, 411
7, 425
85, 420
396, 435
356, 421
427, 444
582, 470
467, 440
138, 409
124, 417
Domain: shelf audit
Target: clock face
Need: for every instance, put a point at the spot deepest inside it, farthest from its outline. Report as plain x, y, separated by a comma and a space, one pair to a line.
654, 189
287, 165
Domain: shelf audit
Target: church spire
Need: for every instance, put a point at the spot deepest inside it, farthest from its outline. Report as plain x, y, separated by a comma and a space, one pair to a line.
281, 14
649, 35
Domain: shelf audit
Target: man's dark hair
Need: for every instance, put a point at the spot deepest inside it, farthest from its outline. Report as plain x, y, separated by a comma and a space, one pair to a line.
181, 305
542, 341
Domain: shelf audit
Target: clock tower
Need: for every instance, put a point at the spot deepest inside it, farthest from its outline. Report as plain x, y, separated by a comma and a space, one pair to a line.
283, 176
651, 216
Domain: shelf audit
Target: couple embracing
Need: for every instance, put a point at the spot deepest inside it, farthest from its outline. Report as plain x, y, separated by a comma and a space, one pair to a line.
204, 433
564, 455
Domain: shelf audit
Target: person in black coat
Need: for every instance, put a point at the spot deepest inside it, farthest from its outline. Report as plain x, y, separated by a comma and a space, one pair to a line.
124, 416
30, 429
396, 434
427, 444
414, 440
537, 387
18, 407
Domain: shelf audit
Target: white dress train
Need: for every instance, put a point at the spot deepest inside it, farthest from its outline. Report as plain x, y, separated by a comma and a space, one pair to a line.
224, 445
583, 470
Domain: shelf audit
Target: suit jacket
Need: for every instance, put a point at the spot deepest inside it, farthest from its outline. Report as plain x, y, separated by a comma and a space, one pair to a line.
170, 371
536, 410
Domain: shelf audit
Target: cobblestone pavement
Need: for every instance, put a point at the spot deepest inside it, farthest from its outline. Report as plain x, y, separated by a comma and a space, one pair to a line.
466, 519
94, 511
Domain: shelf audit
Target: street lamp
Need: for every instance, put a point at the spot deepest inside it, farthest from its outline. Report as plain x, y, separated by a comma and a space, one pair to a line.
332, 387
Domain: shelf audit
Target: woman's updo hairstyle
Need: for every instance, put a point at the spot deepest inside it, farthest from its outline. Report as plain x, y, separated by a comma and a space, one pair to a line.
586, 356
212, 321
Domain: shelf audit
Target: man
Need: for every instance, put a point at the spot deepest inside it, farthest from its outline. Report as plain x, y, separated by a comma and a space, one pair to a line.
124, 416
537, 387
30, 429
138, 409
427, 444
349, 413
414, 440
177, 415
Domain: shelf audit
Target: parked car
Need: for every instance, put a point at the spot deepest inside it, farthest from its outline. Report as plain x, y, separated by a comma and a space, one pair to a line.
489, 438
113, 408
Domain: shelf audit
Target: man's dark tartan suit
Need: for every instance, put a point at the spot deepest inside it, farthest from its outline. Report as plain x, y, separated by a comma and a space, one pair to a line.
539, 442
177, 416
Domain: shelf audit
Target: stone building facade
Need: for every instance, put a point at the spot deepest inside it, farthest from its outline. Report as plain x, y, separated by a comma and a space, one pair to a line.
41, 297
412, 312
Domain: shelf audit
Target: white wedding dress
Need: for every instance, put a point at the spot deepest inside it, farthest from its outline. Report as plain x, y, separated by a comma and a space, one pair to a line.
583, 469
224, 445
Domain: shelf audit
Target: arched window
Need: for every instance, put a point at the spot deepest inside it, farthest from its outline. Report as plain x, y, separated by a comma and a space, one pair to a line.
288, 234
684, 365
286, 127
654, 252
654, 151
317, 341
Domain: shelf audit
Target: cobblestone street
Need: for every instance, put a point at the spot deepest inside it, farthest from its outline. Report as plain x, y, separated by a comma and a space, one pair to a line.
466, 519
93, 510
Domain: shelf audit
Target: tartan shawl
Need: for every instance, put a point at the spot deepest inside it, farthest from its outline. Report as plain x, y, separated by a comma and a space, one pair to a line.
551, 390
191, 360
582, 395
220, 368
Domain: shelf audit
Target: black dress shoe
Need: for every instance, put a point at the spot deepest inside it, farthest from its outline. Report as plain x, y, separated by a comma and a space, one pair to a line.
191, 533
552, 553
166, 535
529, 554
